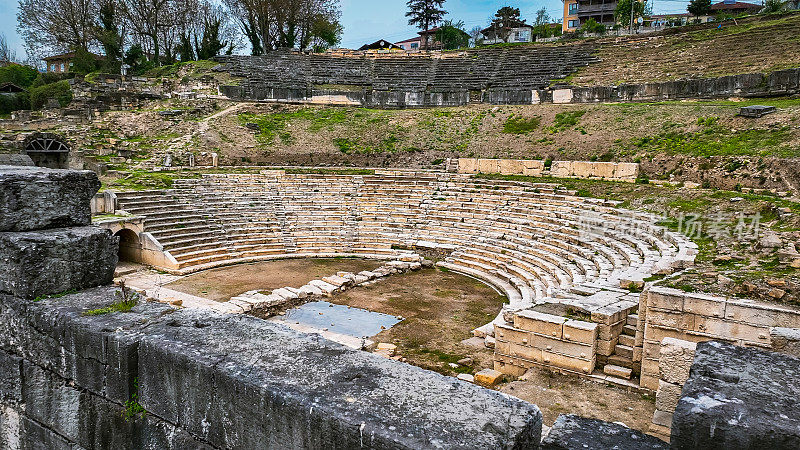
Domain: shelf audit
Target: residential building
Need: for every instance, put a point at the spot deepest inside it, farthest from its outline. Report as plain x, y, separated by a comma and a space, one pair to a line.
63, 63
380, 45
735, 7
412, 44
571, 21
517, 31
418, 43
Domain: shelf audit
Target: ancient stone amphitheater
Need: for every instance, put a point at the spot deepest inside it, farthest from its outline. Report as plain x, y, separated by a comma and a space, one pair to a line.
534, 243
509, 75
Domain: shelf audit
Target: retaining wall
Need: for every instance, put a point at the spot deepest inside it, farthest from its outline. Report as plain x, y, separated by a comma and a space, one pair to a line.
779, 83
693, 317
563, 169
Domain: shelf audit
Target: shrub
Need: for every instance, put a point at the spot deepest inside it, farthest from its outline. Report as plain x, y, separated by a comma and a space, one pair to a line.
591, 26
22, 76
14, 102
42, 94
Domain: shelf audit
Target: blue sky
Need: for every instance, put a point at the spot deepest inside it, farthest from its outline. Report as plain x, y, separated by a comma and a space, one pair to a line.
370, 20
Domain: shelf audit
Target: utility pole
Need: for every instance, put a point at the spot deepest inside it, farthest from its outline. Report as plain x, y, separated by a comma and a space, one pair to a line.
631, 27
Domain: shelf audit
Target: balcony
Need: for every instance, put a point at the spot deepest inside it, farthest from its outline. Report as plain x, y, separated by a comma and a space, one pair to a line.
593, 8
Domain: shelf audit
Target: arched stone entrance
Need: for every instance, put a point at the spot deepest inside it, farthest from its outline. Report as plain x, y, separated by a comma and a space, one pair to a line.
130, 248
48, 150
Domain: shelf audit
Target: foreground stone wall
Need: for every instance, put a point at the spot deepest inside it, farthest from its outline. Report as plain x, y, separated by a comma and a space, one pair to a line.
226, 381
563, 169
47, 245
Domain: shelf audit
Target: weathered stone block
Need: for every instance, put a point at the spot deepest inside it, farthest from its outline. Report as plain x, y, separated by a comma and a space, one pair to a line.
537, 322
704, 305
572, 432
667, 396
36, 263
568, 362
738, 397
239, 382
580, 331
675, 360
35, 198
10, 377
489, 377
785, 340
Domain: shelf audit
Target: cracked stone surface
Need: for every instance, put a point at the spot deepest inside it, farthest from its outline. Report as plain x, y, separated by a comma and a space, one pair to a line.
35, 263
35, 198
573, 432
233, 381
739, 397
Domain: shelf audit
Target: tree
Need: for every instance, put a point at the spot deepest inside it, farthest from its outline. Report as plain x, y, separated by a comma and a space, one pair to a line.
541, 27
425, 14
108, 34
699, 7
57, 25
7, 55
774, 6
504, 20
476, 35
325, 33
210, 45
623, 12
452, 35
136, 60
272, 24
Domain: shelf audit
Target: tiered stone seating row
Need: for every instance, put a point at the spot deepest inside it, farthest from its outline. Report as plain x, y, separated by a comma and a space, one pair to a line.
529, 241
520, 67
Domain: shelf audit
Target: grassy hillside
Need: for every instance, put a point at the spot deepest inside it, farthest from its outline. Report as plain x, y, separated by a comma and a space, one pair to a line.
755, 44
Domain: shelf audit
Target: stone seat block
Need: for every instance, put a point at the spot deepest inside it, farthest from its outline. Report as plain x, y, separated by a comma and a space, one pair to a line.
33, 198
541, 323
38, 263
571, 432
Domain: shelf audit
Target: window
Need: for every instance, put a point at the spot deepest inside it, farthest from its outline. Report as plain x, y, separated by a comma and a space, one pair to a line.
62, 67
574, 24
52, 67
573, 9
524, 36
414, 45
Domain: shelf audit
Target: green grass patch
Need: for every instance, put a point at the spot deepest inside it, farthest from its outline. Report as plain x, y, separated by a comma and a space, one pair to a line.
59, 295
521, 125
715, 140
132, 409
566, 120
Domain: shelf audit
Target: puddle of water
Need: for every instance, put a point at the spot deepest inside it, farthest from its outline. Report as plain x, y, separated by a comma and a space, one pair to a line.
340, 319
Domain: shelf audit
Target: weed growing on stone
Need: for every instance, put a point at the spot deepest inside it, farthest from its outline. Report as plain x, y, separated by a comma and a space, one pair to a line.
133, 410
59, 295
127, 300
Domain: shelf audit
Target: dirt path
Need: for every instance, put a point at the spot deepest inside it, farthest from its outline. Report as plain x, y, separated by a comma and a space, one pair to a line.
225, 282
203, 125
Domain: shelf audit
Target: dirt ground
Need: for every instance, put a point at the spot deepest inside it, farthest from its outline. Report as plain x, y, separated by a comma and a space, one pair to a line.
560, 394
225, 282
440, 309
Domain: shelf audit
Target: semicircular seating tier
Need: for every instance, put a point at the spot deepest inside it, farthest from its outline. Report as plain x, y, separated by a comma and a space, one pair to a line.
533, 242
420, 79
